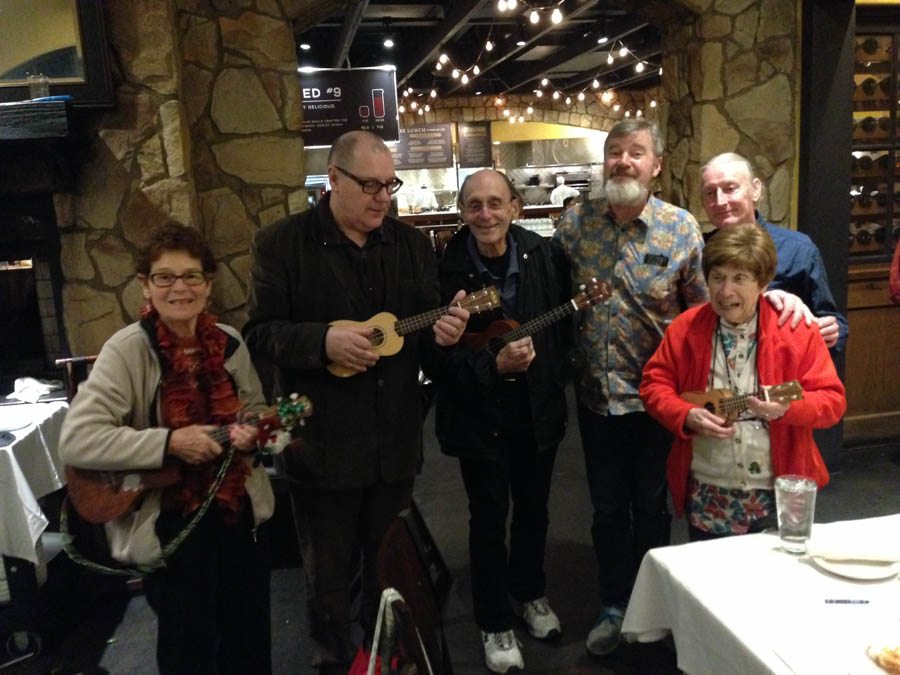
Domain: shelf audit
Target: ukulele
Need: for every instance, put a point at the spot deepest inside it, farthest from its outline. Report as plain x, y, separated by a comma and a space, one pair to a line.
387, 336
101, 496
503, 331
728, 405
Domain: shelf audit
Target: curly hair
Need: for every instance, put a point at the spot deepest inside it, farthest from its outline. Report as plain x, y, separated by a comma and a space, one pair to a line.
746, 246
173, 236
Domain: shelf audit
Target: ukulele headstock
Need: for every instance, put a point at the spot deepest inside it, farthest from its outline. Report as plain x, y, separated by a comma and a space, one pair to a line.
592, 293
482, 300
785, 392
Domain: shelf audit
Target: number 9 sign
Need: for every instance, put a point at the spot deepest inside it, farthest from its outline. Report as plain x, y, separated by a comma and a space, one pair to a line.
337, 92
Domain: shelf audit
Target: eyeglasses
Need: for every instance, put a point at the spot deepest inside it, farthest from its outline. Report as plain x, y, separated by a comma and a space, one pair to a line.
166, 279
491, 204
371, 186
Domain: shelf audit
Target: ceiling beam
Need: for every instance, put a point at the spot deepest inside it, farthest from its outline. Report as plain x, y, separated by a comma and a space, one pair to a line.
454, 22
355, 11
543, 67
569, 16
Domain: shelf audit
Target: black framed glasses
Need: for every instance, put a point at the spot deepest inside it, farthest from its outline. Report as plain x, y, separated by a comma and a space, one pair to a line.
166, 279
371, 186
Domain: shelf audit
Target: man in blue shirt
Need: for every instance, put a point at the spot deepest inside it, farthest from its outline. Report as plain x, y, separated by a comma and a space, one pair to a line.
730, 191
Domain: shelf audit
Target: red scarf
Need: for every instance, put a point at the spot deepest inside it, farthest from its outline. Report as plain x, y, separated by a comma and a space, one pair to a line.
196, 389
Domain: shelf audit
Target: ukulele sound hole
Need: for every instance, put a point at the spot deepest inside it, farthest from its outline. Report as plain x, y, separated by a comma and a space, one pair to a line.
377, 338
710, 407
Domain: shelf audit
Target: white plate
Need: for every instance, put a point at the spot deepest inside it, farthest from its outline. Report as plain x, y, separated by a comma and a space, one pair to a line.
858, 569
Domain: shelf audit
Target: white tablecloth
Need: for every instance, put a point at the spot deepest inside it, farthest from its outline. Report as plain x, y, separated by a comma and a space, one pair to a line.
742, 605
29, 469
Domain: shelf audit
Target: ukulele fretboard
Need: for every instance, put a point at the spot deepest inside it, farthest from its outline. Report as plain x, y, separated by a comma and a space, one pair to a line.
533, 326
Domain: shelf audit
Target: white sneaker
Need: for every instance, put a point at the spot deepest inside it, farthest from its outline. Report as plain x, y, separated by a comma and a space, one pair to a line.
542, 621
607, 631
501, 651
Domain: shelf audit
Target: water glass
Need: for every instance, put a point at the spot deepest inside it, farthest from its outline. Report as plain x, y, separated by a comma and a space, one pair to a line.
795, 501
38, 86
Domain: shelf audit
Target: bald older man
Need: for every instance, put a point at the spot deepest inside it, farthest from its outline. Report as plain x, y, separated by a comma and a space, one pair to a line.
730, 191
346, 259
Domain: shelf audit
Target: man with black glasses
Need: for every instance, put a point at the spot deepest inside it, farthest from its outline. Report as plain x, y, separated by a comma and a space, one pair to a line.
347, 260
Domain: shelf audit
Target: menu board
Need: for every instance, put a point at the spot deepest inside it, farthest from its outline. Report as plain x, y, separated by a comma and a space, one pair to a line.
474, 144
338, 100
426, 147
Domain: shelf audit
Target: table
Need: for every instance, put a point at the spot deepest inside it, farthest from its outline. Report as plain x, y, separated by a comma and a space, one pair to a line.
742, 605
29, 469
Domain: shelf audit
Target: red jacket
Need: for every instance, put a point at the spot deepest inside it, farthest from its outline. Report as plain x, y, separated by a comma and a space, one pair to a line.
682, 361
895, 276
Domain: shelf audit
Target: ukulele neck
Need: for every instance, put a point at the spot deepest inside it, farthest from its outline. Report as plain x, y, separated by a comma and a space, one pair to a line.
534, 325
419, 321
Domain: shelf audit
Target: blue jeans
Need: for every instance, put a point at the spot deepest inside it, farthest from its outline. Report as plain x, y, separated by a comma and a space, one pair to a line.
625, 464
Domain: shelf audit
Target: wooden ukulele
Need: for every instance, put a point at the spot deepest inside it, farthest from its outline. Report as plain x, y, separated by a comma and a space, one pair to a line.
728, 405
102, 496
387, 338
503, 331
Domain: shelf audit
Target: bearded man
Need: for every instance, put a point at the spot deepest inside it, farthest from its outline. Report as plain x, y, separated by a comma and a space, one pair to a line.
648, 251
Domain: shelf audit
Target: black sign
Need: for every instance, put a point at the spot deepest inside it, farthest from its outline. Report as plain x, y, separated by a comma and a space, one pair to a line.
427, 147
336, 101
474, 144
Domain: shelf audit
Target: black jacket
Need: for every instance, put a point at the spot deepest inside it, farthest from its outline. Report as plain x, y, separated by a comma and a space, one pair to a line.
368, 427
469, 411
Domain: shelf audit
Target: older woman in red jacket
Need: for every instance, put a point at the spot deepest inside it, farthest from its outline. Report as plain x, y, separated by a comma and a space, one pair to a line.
721, 471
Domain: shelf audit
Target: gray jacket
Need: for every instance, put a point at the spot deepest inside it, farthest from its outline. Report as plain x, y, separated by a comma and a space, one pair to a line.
110, 426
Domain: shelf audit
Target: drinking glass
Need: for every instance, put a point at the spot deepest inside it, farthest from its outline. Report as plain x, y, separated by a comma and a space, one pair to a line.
795, 502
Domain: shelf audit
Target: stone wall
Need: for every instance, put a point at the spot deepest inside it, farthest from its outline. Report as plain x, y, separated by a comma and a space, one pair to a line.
731, 83
205, 131
592, 113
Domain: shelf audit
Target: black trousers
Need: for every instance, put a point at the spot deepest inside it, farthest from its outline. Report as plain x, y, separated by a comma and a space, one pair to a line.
212, 598
335, 527
625, 463
523, 474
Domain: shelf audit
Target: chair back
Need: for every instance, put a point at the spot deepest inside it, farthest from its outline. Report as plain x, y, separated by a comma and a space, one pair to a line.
77, 369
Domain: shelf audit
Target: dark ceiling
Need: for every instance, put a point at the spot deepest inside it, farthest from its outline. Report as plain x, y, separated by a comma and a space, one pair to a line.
570, 54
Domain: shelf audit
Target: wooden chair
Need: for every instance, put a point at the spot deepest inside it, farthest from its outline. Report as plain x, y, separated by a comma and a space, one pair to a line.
403, 563
77, 369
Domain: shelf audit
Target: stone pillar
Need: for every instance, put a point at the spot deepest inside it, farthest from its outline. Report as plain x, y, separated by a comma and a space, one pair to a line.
731, 83
205, 131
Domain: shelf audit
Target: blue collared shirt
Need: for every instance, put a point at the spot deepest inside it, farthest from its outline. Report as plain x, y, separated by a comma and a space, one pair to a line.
506, 286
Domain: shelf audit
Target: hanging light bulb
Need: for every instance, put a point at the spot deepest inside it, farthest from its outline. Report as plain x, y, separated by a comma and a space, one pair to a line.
609, 58
427, 108
530, 110
606, 97
556, 16
501, 5
653, 103
511, 4
534, 17
489, 45
545, 82
568, 100
639, 67
580, 95
498, 101
443, 58
627, 113
455, 74
617, 107
506, 112
596, 83
464, 79
555, 95
402, 108
421, 112
660, 70
388, 43
521, 118
538, 93
639, 112
437, 66
434, 93
413, 105
512, 120
603, 40
476, 69
623, 51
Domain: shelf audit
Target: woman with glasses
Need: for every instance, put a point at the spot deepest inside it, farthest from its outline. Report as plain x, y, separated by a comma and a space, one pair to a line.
724, 459
157, 391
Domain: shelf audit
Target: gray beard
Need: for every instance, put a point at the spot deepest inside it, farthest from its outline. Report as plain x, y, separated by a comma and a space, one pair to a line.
628, 192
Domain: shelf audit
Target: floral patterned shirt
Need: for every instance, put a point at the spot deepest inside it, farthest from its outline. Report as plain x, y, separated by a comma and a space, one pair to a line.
652, 265
723, 511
